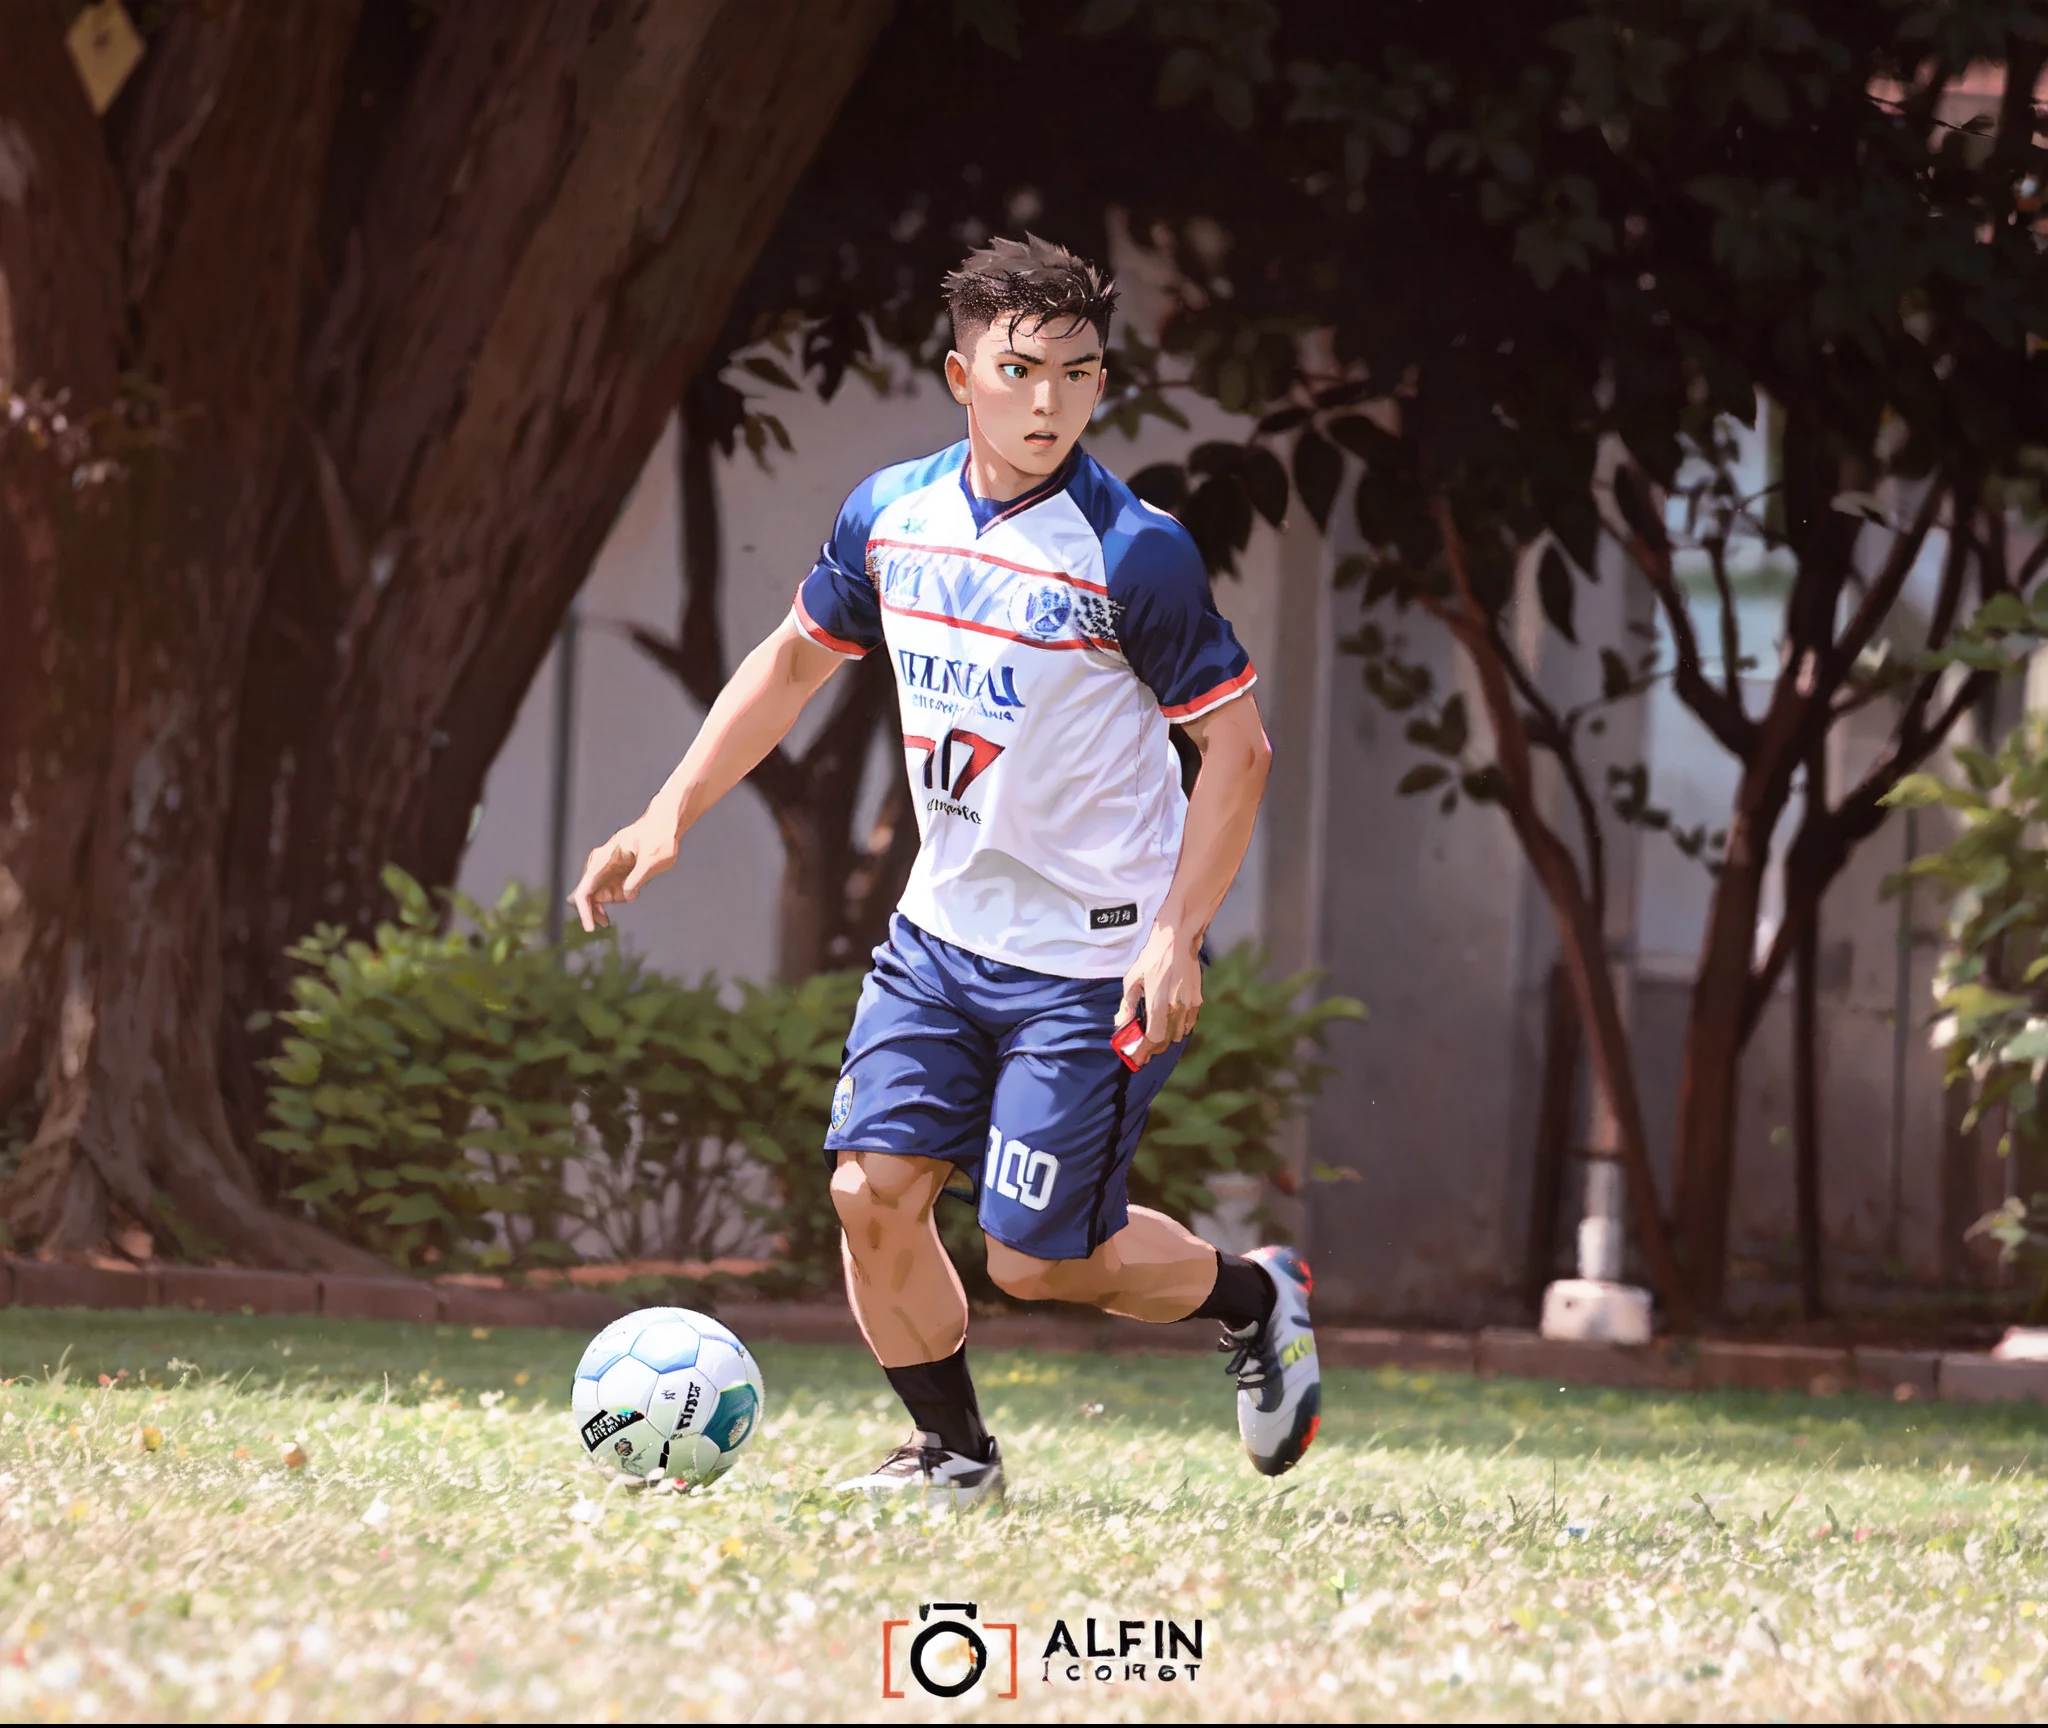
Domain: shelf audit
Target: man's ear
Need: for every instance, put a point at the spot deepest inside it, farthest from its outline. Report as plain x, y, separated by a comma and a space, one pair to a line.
956, 377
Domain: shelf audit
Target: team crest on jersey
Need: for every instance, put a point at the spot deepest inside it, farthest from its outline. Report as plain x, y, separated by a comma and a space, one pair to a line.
842, 1102
898, 580
1042, 612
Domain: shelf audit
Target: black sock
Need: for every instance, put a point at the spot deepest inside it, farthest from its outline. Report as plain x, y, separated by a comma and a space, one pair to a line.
940, 1397
1244, 1294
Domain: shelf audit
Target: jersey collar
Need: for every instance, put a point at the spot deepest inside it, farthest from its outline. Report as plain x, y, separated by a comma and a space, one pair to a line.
987, 512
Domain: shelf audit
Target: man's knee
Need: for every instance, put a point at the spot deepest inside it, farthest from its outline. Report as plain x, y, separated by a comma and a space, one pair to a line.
873, 1188
1022, 1276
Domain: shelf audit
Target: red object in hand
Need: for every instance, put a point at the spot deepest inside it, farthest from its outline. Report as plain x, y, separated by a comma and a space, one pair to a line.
1126, 1039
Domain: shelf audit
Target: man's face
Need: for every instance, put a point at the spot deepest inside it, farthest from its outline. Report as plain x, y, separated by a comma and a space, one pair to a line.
1029, 389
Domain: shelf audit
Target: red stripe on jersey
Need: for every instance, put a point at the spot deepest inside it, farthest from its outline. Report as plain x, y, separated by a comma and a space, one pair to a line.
993, 630
985, 558
823, 637
1209, 699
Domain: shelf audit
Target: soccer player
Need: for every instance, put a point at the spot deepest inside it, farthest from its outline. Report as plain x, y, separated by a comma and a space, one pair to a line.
1043, 968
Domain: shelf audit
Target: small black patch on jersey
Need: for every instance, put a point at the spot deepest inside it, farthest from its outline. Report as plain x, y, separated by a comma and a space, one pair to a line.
1112, 917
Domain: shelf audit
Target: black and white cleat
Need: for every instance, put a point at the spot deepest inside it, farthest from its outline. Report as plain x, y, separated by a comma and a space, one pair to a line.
922, 1468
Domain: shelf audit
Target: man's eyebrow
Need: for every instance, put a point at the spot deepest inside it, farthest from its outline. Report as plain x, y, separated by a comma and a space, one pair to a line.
1040, 359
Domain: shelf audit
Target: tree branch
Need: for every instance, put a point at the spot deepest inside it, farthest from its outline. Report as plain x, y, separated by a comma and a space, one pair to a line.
1882, 594
1722, 714
1821, 848
1731, 634
1553, 735
1583, 939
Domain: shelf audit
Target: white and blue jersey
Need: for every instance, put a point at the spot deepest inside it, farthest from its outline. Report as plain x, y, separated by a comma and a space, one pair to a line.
1042, 647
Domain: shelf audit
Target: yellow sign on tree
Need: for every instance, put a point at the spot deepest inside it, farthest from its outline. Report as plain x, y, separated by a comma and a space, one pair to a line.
105, 47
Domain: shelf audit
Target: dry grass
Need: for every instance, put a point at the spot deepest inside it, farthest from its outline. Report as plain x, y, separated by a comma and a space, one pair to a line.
1451, 1549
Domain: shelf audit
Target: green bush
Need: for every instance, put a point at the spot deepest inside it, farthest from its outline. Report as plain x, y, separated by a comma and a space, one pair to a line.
437, 1086
1991, 986
473, 1096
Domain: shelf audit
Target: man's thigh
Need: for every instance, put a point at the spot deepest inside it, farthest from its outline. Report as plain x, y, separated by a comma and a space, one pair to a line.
1066, 1120
919, 1072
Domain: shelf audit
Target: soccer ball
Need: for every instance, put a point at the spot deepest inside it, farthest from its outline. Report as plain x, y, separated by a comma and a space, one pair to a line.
667, 1392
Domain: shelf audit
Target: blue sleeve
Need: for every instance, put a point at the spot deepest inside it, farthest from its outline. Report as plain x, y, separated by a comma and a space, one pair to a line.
836, 605
1168, 626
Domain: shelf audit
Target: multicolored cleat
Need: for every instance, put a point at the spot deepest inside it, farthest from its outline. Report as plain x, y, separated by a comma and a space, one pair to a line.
1279, 1381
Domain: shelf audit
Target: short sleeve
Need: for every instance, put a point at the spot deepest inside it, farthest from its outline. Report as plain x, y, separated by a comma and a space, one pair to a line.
836, 605
1171, 634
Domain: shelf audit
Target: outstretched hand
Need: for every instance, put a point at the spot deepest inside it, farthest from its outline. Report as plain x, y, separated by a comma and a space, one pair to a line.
616, 870
1167, 978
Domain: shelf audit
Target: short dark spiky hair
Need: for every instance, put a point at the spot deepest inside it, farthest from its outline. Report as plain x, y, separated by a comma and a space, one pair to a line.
1031, 280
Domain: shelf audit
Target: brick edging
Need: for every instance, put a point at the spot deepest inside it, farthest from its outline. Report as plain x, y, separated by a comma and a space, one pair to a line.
1672, 1366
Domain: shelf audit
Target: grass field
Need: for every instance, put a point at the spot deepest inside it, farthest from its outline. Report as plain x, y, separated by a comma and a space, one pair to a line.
363, 1522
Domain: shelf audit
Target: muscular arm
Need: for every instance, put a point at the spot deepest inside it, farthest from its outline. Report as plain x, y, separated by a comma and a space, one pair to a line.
1221, 810
753, 714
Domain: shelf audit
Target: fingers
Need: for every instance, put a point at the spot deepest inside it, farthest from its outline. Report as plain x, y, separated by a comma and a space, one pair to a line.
1127, 1009
600, 884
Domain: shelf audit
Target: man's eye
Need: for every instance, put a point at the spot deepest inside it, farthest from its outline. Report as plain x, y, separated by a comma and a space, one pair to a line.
1077, 377
1012, 370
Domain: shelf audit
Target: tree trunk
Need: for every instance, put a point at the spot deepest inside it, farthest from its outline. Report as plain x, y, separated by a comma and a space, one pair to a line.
1806, 1084
224, 145
410, 382
1556, 1113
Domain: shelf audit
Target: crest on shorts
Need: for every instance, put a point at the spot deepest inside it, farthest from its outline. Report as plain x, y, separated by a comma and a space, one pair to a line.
842, 1102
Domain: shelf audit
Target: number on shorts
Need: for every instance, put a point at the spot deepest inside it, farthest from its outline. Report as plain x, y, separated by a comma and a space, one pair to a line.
1018, 1173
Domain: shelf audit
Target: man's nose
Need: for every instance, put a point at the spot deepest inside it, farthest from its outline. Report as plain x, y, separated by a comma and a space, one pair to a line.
1045, 399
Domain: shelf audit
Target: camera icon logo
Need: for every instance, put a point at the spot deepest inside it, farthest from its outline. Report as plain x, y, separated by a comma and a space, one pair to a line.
947, 1651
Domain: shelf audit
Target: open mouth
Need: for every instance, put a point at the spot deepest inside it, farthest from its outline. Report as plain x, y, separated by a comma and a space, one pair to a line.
1044, 439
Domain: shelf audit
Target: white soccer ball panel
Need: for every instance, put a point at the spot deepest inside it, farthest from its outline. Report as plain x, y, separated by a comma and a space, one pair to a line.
599, 1354
710, 1328
721, 1363
683, 1401
583, 1400
628, 1384
641, 1318
667, 1344
694, 1459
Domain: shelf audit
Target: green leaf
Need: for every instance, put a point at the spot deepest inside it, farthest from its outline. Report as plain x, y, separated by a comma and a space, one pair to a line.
1318, 471
1423, 777
1558, 592
994, 21
767, 370
1187, 72
1266, 483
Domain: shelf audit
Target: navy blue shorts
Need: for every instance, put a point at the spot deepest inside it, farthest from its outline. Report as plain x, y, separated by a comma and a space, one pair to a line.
1009, 1075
